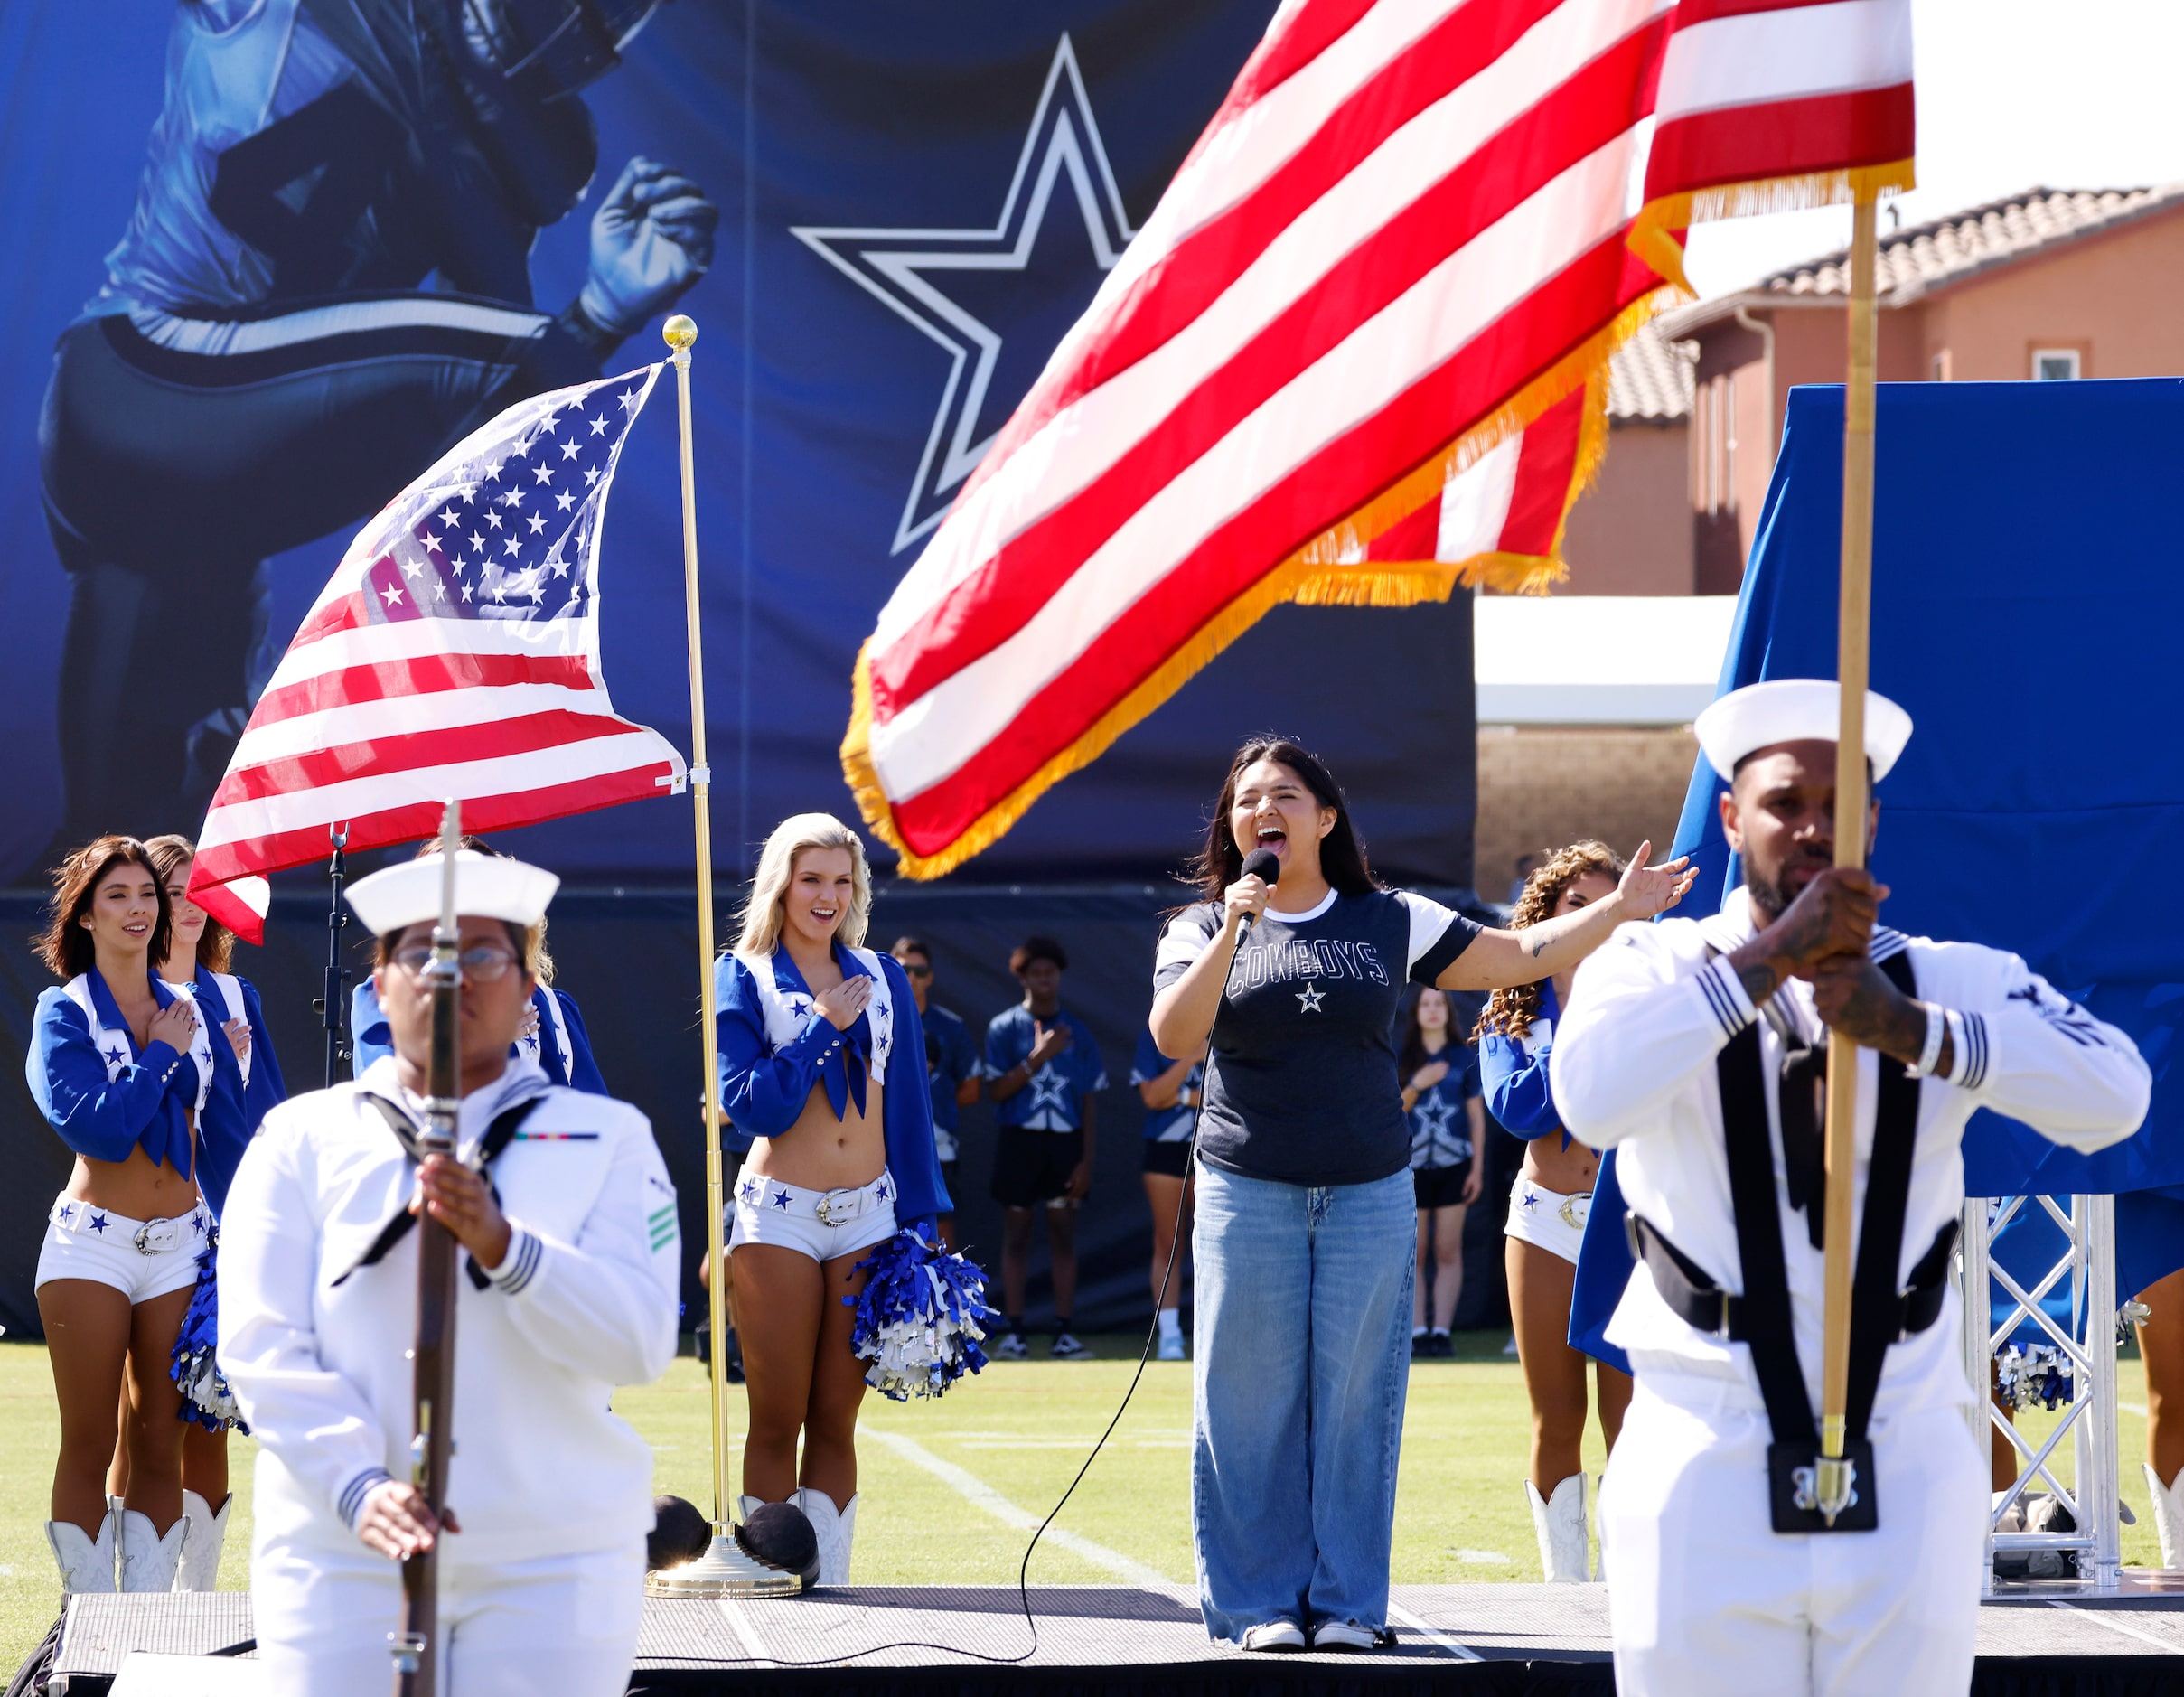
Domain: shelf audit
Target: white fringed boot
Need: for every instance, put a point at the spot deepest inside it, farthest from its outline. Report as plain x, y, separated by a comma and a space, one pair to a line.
86, 1563
148, 1560
1599, 1534
834, 1527
199, 1569
1559, 1523
744, 1504
2168, 1515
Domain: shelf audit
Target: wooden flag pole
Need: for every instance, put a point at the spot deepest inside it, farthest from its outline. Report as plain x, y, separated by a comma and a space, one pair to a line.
1854, 614
724, 1570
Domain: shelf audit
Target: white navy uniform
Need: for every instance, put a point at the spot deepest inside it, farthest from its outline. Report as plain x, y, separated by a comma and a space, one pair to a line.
542, 1589
1705, 1596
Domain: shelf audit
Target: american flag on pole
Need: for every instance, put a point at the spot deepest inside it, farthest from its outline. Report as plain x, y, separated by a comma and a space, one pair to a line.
453, 653
1766, 106
1399, 250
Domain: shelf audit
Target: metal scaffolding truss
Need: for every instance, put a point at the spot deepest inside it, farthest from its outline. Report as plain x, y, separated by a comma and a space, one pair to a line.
2088, 1343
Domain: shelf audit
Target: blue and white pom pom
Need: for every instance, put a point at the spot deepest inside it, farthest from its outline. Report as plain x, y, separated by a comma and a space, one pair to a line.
205, 1396
920, 1318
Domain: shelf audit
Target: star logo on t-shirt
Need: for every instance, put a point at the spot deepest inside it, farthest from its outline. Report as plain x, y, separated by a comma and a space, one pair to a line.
1434, 1115
1049, 1089
1309, 998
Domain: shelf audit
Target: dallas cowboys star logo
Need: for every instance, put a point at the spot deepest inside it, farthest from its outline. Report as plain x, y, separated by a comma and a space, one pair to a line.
99, 1223
781, 1200
891, 264
1309, 998
1531, 1199
1049, 1090
1434, 1115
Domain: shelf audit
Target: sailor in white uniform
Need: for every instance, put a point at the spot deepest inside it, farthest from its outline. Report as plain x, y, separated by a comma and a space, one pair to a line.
572, 1255
1697, 1048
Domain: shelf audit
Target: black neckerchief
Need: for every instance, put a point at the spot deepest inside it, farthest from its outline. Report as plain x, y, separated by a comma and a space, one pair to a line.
498, 1136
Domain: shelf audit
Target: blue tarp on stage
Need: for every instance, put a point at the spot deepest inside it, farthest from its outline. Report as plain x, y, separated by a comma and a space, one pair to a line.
2027, 609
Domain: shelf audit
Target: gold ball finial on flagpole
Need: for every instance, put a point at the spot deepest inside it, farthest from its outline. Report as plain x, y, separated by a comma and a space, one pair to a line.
679, 332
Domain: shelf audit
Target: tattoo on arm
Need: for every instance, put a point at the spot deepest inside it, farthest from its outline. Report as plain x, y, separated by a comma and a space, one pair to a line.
1759, 980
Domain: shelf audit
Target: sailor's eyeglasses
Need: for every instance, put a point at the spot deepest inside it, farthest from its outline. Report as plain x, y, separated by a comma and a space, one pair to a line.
485, 964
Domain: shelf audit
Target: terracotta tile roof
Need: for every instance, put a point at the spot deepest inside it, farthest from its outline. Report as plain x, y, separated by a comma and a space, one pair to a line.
1949, 249
1649, 380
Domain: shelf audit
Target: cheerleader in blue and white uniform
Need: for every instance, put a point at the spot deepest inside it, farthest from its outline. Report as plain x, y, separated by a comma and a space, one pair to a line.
246, 1086
1546, 1212
551, 1037
822, 1055
122, 1067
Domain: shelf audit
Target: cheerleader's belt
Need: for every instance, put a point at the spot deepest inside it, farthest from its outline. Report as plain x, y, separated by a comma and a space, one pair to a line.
147, 1237
1701, 1304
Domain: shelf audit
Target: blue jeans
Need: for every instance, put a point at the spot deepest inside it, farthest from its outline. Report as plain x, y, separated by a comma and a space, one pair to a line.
1302, 1361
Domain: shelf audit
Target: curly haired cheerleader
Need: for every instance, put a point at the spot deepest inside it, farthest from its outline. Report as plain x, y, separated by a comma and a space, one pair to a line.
1547, 1211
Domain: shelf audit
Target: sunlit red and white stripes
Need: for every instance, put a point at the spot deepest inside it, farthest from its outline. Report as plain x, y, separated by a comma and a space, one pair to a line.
1402, 237
1770, 105
439, 664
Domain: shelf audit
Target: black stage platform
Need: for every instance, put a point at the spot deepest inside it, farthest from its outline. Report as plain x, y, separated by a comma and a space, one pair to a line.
1122, 1641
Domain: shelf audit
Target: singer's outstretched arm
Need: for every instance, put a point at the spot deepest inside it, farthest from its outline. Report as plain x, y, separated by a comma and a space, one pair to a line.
1499, 957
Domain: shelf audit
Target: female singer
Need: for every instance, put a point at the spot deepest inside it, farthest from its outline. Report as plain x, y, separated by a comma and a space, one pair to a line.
1305, 1228
817, 1032
121, 1067
1447, 1140
245, 1084
551, 1036
1547, 1209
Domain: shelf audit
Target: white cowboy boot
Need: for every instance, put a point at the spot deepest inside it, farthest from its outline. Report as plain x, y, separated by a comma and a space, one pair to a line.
199, 1569
834, 1527
744, 1504
1599, 1535
148, 1560
1559, 1523
2168, 1515
86, 1563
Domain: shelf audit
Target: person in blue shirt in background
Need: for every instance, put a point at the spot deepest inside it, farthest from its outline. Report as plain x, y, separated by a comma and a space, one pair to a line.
952, 1065
1170, 1091
551, 1036
1042, 1067
1448, 1133
1547, 1210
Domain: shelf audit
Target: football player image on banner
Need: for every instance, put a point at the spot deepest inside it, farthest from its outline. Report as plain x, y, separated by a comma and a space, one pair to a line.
264, 364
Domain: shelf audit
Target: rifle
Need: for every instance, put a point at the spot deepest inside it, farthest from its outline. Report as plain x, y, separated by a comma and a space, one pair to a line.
417, 1648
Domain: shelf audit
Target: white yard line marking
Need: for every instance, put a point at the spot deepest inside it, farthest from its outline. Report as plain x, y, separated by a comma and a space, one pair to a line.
1445, 1646
982, 1496
745, 1633
2102, 1619
2133, 1408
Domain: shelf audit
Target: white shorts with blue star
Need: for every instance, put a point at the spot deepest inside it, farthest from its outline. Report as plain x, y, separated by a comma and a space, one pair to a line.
820, 1223
142, 1258
1547, 1219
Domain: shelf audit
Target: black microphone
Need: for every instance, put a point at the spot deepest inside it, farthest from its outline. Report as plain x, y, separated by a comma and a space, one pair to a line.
1264, 863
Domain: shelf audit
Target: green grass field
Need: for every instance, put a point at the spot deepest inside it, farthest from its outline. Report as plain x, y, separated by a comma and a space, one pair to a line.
1020, 1430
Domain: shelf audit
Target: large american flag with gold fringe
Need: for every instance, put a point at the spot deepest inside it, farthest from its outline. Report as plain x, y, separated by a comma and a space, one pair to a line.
454, 653
1399, 248
1358, 354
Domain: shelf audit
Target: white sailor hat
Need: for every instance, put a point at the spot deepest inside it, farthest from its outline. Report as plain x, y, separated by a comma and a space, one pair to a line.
1795, 710
487, 886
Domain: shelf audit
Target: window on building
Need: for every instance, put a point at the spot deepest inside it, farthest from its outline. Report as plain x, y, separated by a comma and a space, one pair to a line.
2055, 365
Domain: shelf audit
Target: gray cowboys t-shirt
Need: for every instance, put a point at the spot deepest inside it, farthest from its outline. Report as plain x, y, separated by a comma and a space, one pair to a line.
1301, 1085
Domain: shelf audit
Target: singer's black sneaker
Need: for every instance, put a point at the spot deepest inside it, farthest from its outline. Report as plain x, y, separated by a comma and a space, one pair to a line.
1067, 1348
1012, 1348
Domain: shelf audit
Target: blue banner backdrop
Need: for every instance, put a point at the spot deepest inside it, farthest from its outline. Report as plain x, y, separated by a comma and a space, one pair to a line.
306, 231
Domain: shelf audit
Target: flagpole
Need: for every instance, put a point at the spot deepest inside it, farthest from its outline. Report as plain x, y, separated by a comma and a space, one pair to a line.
1853, 640
724, 1570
